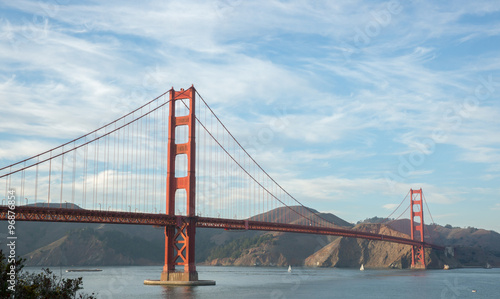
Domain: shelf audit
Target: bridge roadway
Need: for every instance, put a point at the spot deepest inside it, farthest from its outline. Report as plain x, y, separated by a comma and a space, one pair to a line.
30, 213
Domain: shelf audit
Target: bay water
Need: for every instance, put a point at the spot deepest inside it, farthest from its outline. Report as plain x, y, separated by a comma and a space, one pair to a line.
277, 283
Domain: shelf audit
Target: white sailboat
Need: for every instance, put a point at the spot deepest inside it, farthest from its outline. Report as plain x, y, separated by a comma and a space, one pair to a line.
289, 268
362, 268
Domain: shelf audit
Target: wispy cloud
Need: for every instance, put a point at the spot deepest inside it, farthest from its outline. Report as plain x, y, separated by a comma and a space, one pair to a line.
329, 97
390, 206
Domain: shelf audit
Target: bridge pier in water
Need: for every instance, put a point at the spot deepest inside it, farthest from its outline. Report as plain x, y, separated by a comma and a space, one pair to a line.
180, 238
417, 229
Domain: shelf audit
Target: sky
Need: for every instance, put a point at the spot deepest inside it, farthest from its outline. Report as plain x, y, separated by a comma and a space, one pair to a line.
348, 104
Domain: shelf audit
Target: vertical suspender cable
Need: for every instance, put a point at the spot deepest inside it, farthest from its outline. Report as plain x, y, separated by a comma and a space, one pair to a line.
73, 176
36, 181
50, 173
116, 168
62, 179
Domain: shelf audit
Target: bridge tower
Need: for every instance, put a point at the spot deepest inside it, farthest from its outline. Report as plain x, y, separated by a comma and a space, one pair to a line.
180, 238
417, 229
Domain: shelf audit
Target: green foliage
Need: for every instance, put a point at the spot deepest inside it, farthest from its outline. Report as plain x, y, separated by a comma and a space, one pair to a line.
374, 220
83, 233
235, 248
472, 229
134, 247
37, 286
5, 269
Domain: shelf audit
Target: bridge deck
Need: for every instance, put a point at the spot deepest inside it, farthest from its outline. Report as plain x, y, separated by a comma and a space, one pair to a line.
24, 213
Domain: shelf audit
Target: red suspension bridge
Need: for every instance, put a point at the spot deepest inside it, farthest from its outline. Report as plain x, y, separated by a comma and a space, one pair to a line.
117, 173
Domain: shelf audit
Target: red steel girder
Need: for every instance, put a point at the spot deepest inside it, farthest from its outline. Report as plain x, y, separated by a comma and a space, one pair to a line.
29, 213
24, 213
297, 228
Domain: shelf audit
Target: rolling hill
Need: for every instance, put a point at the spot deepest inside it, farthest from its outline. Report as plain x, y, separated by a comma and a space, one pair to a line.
73, 244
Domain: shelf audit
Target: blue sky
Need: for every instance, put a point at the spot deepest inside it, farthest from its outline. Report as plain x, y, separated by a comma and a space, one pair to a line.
348, 104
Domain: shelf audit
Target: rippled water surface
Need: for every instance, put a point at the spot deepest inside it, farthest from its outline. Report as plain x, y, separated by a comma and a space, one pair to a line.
264, 282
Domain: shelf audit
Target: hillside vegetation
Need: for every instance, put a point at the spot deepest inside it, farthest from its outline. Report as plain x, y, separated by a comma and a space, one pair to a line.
73, 244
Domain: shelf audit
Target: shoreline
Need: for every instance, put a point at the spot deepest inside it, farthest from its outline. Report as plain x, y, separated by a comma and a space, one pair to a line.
100, 269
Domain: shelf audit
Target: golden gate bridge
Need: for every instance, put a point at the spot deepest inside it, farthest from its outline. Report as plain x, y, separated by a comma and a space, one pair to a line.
172, 163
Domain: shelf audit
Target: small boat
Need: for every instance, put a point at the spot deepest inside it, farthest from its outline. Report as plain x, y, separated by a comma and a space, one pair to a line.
289, 268
362, 268
84, 270
446, 267
488, 266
